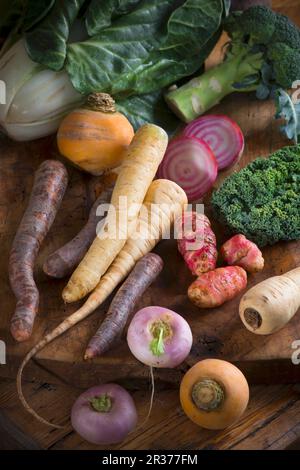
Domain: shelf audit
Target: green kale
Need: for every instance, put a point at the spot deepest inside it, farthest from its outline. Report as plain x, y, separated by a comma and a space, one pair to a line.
262, 201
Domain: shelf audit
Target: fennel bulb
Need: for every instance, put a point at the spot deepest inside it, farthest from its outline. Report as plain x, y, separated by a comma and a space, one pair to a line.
36, 99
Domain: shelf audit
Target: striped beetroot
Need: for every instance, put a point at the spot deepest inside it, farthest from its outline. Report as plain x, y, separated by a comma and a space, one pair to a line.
191, 164
223, 136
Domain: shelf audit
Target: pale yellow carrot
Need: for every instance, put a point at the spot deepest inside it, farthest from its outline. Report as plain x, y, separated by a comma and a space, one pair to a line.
166, 199
137, 171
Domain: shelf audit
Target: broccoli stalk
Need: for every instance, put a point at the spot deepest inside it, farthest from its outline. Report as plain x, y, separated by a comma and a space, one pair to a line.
263, 55
201, 94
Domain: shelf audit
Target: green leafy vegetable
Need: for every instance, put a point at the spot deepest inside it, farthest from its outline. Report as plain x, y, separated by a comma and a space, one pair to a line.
149, 108
101, 14
35, 12
139, 46
262, 201
47, 43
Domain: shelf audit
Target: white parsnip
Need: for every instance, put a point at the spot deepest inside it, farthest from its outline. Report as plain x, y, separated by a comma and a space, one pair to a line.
138, 169
269, 306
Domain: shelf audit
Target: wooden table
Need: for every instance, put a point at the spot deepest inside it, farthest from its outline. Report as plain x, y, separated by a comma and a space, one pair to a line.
271, 421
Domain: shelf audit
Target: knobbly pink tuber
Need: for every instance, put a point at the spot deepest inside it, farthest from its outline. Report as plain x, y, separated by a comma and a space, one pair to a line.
242, 252
197, 242
216, 287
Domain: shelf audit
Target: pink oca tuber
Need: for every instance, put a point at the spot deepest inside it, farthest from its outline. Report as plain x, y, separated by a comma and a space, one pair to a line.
216, 287
239, 251
196, 242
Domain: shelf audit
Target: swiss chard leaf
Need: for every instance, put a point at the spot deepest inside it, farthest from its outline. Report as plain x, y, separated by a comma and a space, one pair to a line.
149, 108
290, 112
47, 43
101, 14
147, 49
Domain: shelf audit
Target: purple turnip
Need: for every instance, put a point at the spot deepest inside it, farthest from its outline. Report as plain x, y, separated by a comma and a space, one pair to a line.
159, 337
104, 414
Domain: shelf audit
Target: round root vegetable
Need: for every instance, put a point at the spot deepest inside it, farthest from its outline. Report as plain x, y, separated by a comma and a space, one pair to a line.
166, 199
159, 337
95, 136
222, 135
62, 262
144, 273
216, 287
104, 414
138, 169
214, 394
196, 242
49, 186
269, 306
242, 252
191, 164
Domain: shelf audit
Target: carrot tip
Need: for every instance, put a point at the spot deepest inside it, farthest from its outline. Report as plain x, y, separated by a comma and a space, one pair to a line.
20, 335
89, 354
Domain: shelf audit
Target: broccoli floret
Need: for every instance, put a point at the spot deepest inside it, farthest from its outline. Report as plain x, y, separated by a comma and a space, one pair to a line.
259, 23
286, 31
263, 55
262, 201
286, 63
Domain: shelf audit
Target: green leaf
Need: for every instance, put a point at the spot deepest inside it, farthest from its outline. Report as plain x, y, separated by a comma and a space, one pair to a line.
100, 14
36, 10
147, 49
149, 108
47, 43
157, 344
290, 112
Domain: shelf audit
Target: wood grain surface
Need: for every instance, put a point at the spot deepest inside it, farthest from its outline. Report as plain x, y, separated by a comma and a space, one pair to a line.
272, 421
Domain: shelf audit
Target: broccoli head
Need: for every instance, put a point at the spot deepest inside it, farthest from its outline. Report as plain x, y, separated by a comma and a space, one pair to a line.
262, 201
258, 23
275, 35
286, 63
263, 55
286, 31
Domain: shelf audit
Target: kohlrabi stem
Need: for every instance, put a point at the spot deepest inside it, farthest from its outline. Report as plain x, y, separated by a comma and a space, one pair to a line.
207, 394
102, 102
202, 93
101, 404
160, 330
